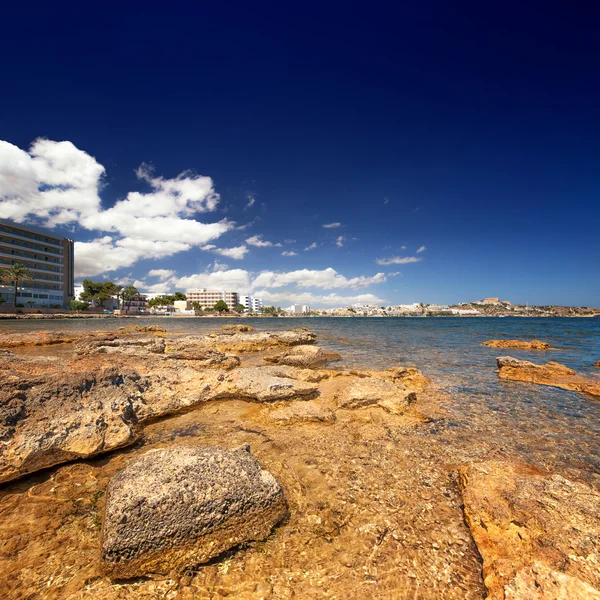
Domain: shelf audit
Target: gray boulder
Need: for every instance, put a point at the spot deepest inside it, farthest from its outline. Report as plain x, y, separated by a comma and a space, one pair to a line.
178, 507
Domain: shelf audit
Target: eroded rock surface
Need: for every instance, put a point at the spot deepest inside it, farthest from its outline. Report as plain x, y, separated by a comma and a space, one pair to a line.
253, 342
538, 534
551, 373
37, 338
242, 328
306, 357
302, 412
370, 391
521, 344
178, 507
113, 344
47, 420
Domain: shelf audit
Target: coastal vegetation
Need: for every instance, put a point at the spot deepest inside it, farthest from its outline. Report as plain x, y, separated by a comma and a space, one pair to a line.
15, 275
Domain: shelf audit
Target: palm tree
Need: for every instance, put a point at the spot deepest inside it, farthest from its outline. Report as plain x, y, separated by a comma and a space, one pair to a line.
16, 274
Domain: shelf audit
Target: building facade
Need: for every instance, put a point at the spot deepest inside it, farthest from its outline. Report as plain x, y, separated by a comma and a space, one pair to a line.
250, 302
49, 258
299, 309
207, 298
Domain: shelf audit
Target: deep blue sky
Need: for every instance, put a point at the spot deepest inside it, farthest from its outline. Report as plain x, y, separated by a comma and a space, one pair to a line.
470, 129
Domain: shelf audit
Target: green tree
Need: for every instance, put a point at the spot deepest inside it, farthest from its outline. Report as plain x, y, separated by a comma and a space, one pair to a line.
180, 296
270, 310
78, 305
128, 293
240, 308
15, 275
2, 300
197, 307
221, 306
98, 292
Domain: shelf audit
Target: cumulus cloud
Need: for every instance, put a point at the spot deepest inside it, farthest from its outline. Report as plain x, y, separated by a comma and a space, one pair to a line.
233, 279
55, 183
311, 247
256, 240
305, 278
398, 260
317, 300
288, 253
339, 242
421, 249
332, 225
219, 266
236, 253
162, 274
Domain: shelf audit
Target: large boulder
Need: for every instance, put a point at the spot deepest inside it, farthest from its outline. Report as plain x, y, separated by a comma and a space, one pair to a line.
178, 507
51, 419
113, 344
305, 357
538, 534
521, 344
232, 341
551, 373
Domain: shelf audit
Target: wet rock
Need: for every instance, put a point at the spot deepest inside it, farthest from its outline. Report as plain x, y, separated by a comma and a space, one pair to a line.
551, 373
411, 378
179, 507
112, 344
51, 419
306, 357
302, 412
242, 328
538, 534
369, 391
521, 344
37, 338
256, 383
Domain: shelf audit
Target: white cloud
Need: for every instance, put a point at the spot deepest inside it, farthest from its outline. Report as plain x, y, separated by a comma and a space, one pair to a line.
233, 280
305, 278
339, 242
332, 225
256, 240
251, 201
386, 200
219, 266
55, 183
421, 249
398, 260
394, 274
315, 300
162, 274
311, 247
288, 253
290, 241
236, 253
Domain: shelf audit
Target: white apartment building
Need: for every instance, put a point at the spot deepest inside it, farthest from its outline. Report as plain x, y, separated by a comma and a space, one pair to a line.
299, 309
208, 298
251, 302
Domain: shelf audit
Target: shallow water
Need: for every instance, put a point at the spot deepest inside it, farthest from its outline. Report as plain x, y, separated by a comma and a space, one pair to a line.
553, 427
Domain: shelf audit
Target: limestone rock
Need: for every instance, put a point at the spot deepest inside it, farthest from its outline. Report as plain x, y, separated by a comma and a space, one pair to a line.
409, 377
37, 338
551, 373
597, 364
50, 419
536, 532
521, 344
306, 357
178, 507
250, 342
302, 412
256, 383
147, 329
242, 328
369, 391
112, 344
182, 350
310, 375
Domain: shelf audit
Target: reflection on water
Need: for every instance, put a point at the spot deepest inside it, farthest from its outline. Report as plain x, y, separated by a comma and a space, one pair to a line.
555, 427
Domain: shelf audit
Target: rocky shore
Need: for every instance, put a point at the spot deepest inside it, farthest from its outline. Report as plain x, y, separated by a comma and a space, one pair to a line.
240, 464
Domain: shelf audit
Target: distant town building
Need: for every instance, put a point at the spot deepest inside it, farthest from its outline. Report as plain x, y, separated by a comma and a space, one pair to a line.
491, 301
137, 304
251, 302
299, 309
48, 257
207, 298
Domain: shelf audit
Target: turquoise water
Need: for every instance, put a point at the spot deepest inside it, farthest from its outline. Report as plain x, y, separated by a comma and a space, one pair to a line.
555, 428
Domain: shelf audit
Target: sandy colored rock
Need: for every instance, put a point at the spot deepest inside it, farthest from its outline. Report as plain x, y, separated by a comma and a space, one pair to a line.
37, 338
182, 350
147, 329
47, 420
597, 364
113, 344
306, 357
256, 383
302, 412
521, 344
252, 342
535, 532
242, 328
178, 507
551, 373
369, 391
